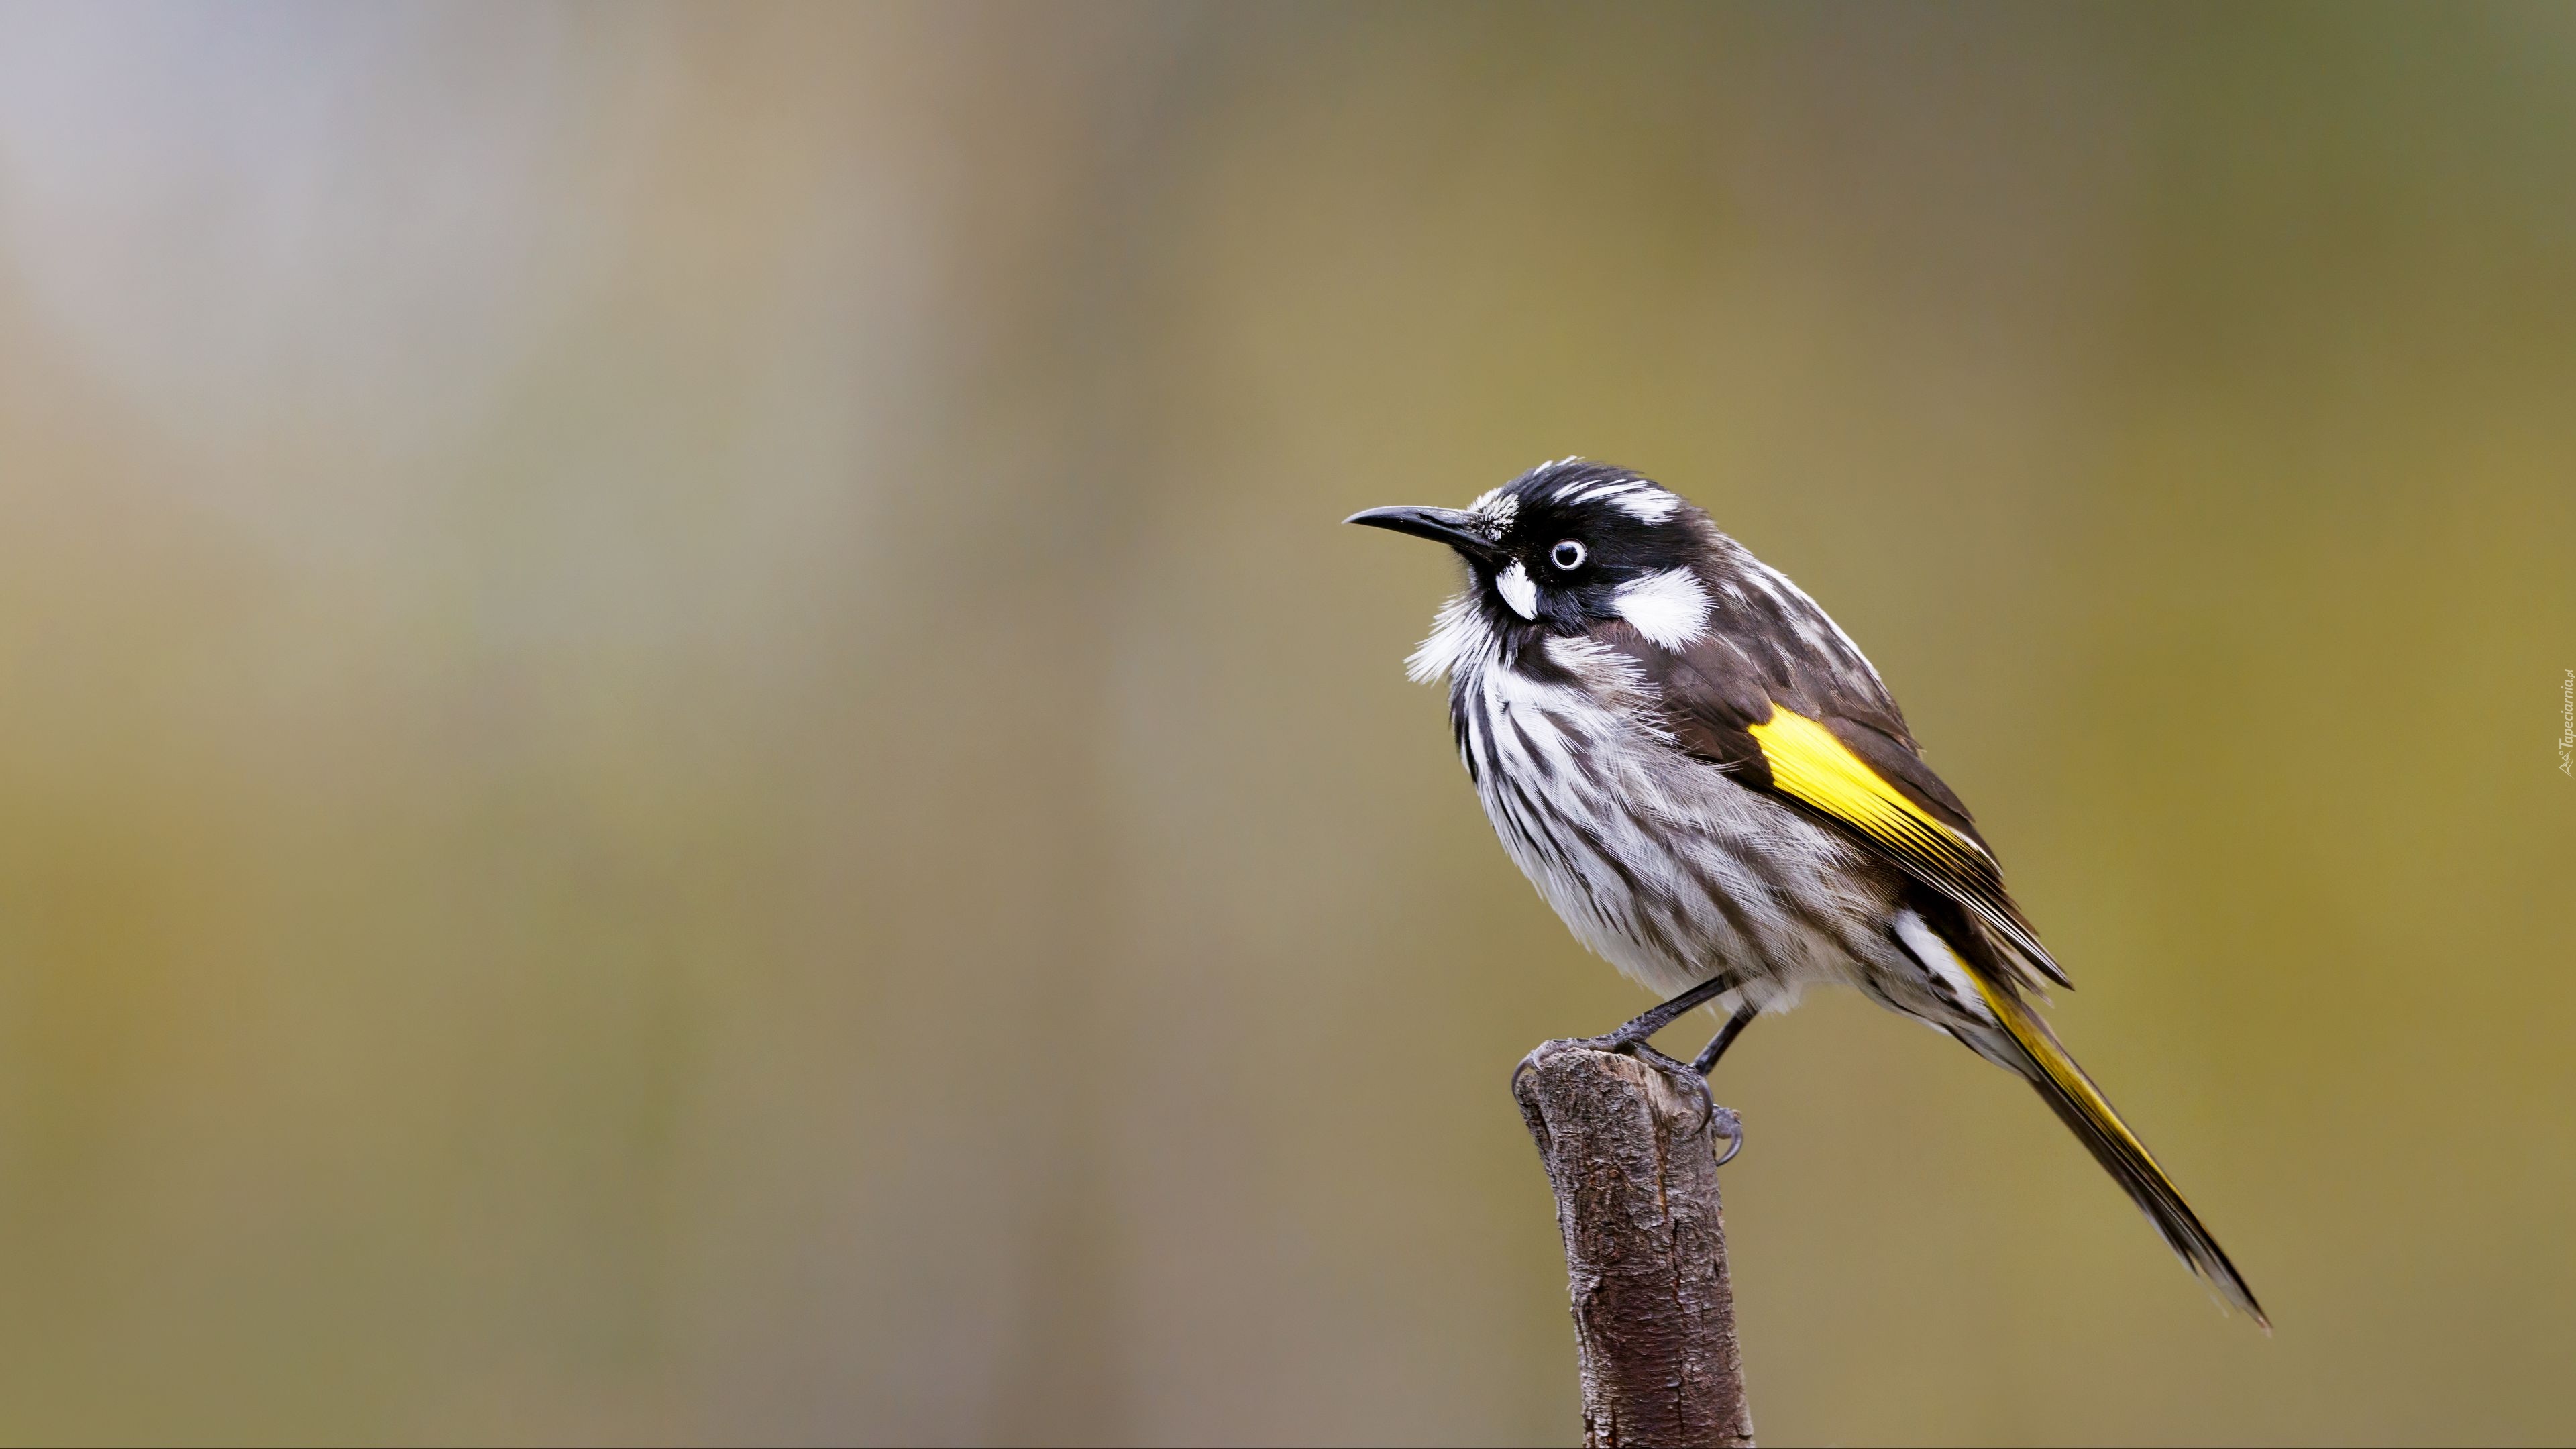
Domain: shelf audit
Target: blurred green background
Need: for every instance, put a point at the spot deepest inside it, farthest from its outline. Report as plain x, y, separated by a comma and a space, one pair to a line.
690, 751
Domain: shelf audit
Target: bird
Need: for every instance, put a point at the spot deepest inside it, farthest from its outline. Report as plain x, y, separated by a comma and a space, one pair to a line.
1709, 782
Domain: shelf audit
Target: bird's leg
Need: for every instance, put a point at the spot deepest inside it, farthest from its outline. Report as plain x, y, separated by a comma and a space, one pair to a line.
1723, 1118
1706, 1061
1646, 1024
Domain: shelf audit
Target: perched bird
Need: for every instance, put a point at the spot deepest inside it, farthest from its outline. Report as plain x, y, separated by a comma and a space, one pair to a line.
1706, 779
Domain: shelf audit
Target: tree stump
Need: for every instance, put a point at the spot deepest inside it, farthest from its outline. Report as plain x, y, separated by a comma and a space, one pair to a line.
1632, 1154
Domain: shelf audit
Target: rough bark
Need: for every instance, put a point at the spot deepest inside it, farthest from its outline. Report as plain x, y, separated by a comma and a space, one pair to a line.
1632, 1154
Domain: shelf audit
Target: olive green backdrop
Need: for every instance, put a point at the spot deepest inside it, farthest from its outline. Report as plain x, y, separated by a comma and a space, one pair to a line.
688, 750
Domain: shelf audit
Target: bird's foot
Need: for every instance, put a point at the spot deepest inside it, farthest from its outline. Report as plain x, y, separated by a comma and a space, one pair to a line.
1722, 1121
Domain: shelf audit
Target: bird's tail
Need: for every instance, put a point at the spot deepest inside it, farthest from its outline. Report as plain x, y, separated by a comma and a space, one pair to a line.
2080, 1104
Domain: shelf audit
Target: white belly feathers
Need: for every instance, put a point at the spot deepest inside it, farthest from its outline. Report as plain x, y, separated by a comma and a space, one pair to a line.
1655, 859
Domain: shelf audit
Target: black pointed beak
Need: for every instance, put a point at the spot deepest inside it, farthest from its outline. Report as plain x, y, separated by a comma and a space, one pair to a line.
1441, 525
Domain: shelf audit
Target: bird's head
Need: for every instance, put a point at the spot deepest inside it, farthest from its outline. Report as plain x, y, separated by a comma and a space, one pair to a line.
1570, 545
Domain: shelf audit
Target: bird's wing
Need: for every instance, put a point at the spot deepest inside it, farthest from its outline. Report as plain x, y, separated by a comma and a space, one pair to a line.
1791, 709
1821, 765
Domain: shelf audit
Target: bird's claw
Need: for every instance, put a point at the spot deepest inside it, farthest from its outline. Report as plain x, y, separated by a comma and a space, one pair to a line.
1721, 1121
1528, 1064
1726, 1124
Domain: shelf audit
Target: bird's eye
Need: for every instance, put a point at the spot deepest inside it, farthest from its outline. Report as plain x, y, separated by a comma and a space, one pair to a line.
1566, 555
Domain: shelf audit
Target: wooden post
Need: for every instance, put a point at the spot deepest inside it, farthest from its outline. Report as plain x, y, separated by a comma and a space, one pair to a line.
1632, 1154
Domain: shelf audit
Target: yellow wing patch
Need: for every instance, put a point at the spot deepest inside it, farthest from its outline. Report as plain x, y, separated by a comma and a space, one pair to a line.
1809, 765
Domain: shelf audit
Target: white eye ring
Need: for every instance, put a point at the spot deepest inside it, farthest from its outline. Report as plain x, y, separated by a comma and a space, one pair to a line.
1567, 555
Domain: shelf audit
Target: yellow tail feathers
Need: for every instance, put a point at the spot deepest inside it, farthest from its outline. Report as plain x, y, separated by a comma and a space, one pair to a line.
2081, 1106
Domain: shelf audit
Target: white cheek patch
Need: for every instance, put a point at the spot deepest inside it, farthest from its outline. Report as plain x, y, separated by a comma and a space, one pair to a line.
1669, 608
1514, 585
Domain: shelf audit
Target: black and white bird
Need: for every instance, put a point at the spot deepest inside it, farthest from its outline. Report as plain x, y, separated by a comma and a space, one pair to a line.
1702, 774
